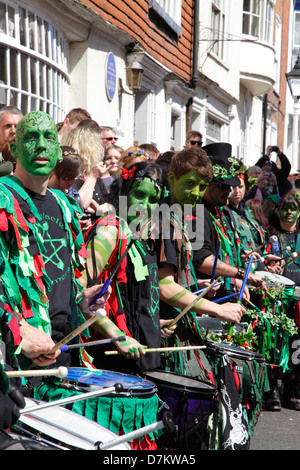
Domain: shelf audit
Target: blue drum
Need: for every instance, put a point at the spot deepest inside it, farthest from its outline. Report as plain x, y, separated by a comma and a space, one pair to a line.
85, 379
134, 407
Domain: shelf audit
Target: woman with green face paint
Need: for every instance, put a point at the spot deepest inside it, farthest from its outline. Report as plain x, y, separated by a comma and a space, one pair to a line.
134, 302
284, 223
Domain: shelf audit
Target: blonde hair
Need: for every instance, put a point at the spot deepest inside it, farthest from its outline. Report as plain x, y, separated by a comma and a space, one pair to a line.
87, 144
130, 154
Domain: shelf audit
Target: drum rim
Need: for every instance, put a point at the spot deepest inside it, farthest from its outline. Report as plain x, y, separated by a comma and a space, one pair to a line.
291, 282
224, 348
209, 389
126, 392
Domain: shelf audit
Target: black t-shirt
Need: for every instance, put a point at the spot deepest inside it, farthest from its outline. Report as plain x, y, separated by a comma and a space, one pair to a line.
57, 260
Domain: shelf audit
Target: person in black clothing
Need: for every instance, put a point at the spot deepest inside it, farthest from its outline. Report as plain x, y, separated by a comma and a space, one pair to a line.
216, 228
281, 170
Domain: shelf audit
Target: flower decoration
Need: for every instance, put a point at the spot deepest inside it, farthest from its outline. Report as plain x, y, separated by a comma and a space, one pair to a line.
128, 174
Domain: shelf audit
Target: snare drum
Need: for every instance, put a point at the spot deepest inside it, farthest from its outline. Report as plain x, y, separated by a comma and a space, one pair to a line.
64, 429
214, 325
274, 280
192, 403
250, 373
121, 412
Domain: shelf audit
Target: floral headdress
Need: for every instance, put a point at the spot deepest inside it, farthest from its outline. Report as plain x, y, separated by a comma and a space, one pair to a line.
140, 176
220, 172
139, 153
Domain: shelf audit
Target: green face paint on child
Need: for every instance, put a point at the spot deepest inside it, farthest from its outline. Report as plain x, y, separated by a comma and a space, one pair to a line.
188, 188
145, 195
37, 147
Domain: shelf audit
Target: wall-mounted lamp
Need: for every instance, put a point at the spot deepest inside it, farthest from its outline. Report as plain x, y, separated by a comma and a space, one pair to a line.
134, 69
293, 79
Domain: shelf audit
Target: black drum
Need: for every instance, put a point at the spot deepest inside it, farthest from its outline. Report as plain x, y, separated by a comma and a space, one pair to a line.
192, 403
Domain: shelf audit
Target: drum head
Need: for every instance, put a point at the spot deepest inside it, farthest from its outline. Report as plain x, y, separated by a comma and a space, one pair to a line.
67, 428
273, 278
234, 351
214, 324
108, 378
178, 381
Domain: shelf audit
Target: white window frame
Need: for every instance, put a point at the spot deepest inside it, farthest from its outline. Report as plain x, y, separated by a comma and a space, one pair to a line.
40, 55
218, 28
264, 15
170, 12
278, 34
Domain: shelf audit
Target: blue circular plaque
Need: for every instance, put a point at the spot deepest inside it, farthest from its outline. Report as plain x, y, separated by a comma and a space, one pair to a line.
110, 76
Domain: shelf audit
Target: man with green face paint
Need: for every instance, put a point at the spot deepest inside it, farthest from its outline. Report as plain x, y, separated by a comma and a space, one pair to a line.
216, 228
47, 251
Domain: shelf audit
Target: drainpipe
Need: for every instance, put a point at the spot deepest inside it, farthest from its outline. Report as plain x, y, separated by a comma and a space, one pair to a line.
265, 107
195, 77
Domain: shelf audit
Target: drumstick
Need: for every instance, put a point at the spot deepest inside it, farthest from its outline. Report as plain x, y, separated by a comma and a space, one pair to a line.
151, 350
255, 249
100, 313
239, 300
215, 262
60, 372
227, 297
291, 260
191, 305
203, 288
272, 239
92, 343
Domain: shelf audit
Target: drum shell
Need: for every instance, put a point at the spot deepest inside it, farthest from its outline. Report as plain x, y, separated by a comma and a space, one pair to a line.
191, 402
250, 372
119, 412
64, 429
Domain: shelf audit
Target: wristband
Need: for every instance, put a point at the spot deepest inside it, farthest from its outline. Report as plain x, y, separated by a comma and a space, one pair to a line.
241, 273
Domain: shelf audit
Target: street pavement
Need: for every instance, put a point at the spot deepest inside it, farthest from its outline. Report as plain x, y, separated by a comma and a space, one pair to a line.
277, 430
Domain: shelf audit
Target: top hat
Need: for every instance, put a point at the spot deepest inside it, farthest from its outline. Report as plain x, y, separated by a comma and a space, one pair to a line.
224, 165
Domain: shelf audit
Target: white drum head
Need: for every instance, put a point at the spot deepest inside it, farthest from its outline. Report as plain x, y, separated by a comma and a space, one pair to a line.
68, 427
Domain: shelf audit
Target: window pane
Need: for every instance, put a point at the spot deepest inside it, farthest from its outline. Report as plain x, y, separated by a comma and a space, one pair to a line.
2, 18
254, 27
40, 35
22, 27
13, 68
11, 21
3, 65
31, 30
24, 72
42, 79
33, 76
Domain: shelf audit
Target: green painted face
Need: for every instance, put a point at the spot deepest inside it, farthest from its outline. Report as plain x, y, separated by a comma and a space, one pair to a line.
288, 214
143, 197
188, 188
37, 147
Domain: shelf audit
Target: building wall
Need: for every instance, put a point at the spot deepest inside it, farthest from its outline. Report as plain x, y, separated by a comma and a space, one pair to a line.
133, 17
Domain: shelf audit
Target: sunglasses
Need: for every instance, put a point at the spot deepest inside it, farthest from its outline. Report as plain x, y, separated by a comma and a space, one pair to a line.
196, 142
110, 138
66, 178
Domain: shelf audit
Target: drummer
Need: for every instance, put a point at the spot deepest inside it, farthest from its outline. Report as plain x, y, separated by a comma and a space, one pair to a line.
217, 229
284, 223
246, 229
43, 232
147, 186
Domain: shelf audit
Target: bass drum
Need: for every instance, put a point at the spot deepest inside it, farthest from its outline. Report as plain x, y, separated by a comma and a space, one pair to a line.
192, 403
64, 429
